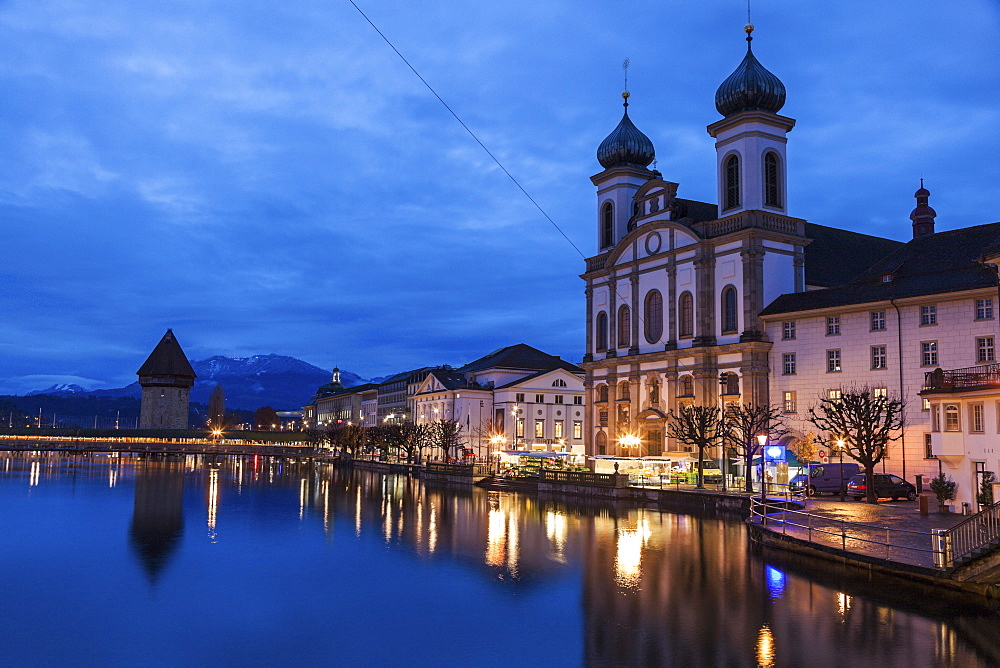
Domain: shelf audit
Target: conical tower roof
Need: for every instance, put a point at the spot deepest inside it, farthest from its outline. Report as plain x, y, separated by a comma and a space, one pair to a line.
167, 359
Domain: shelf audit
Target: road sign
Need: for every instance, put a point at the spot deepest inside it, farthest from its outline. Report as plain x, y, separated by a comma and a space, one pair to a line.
823, 456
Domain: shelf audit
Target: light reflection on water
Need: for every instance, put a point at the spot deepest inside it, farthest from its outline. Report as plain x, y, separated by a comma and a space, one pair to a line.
415, 575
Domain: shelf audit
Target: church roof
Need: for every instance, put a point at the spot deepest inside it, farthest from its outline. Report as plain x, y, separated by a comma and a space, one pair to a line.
626, 146
836, 256
751, 87
167, 359
520, 356
929, 265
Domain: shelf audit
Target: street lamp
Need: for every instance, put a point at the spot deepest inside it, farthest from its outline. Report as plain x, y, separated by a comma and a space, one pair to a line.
514, 411
840, 452
762, 440
723, 381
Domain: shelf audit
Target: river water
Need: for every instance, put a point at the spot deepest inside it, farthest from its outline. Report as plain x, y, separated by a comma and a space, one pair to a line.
115, 560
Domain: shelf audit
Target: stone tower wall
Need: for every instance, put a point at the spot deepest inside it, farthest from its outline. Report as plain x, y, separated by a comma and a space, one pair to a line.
164, 407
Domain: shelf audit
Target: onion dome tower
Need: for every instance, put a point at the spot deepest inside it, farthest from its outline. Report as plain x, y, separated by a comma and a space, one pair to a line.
923, 216
750, 140
625, 155
166, 378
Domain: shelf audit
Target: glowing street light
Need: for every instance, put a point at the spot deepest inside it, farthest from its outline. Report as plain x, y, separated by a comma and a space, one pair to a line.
762, 440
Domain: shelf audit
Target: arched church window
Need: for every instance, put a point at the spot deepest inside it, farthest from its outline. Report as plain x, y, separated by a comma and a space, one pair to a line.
653, 316
686, 387
623, 391
686, 315
608, 225
772, 188
602, 331
624, 326
602, 392
732, 182
602, 443
732, 385
729, 318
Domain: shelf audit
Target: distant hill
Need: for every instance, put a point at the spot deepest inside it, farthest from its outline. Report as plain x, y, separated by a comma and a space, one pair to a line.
279, 381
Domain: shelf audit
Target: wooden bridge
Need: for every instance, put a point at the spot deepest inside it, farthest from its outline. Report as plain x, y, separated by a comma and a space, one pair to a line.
165, 447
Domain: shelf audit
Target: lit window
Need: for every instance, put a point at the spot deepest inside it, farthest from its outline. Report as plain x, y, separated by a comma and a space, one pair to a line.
833, 361
789, 402
878, 321
834, 394
520, 428
577, 429
539, 428
929, 353
984, 309
788, 330
928, 315
788, 364
925, 404
879, 359
880, 393
985, 351
951, 421
558, 431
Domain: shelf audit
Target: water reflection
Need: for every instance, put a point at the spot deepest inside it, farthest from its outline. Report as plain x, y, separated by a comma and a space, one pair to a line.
157, 514
630, 586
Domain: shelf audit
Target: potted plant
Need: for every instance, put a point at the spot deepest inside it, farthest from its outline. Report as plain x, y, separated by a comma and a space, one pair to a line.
944, 490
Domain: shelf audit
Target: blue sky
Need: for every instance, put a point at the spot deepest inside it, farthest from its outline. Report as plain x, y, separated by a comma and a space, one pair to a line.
269, 177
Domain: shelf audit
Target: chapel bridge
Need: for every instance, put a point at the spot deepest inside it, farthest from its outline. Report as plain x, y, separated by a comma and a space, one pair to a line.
190, 442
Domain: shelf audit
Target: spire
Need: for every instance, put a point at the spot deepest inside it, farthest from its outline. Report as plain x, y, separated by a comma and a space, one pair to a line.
168, 360
751, 87
922, 216
626, 146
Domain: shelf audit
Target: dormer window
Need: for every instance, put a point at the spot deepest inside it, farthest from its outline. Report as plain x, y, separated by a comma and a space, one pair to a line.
887, 278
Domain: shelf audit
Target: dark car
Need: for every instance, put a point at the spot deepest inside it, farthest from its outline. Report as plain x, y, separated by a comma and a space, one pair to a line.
829, 478
886, 486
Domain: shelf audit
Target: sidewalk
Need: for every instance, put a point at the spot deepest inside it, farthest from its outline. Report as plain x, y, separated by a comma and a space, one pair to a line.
892, 530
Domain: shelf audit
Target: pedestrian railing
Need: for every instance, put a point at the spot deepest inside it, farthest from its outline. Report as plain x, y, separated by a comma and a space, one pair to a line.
976, 534
894, 544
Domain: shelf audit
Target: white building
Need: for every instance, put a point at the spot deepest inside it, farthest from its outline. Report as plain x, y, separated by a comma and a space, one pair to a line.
690, 302
518, 397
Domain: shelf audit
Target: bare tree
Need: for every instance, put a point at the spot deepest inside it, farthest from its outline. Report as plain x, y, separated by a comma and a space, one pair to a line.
446, 435
866, 422
415, 437
743, 424
697, 426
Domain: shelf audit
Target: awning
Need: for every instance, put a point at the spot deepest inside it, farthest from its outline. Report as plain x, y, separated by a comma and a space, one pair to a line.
533, 453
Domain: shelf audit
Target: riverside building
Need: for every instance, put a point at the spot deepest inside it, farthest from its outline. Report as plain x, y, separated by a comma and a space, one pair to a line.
690, 302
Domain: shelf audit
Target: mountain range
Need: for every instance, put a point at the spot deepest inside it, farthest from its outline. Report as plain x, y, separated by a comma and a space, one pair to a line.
279, 381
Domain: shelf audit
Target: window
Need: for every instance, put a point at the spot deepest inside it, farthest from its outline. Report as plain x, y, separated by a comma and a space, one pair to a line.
732, 385
833, 326
985, 351
788, 402
602, 392
519, 397
558, 429
880, 393
559, 398
928, 315
772, 192
577, 429
928, 447
607, 225
624, 326
687, 386
935, 417
654, 316
878, 321
559, 382
925, 404
686, 315
729, 318
788, 330
887, 278
539, 428
928, 353
976, 418
879, 359
732, 182
520, 428
578, 401
833, 361
602, 331
834, 394
623, 392
951, 418
788, 364
602, 443
984, 309
539, 398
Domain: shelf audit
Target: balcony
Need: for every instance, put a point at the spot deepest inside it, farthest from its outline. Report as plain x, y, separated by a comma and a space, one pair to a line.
983, 377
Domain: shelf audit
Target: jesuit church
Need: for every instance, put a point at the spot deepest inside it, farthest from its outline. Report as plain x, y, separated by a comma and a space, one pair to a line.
692, 302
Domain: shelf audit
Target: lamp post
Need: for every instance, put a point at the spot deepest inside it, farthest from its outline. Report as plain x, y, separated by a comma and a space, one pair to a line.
630, 441
840, 453
722, 423
762, 440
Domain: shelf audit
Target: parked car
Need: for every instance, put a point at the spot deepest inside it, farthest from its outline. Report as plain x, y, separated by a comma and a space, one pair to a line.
886, 486
825, 478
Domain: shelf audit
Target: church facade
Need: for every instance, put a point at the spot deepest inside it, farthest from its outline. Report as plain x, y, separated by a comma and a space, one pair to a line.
688, 302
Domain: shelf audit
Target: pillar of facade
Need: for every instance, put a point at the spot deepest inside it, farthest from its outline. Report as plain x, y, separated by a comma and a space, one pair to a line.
753, 290
670, 390
754, 369
704, 281
588, 355
612, 318
634, 280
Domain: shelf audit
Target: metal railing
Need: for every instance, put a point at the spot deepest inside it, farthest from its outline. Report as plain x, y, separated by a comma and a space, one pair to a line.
986, 375
583, 478
974, 533
867, 539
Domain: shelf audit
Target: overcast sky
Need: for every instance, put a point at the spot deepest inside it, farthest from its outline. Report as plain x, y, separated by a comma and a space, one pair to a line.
269, 176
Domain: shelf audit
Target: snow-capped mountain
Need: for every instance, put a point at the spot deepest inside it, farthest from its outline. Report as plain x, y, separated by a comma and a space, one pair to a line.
279, 381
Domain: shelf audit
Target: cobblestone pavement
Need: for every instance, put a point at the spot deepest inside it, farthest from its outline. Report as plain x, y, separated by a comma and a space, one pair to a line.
867, 529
